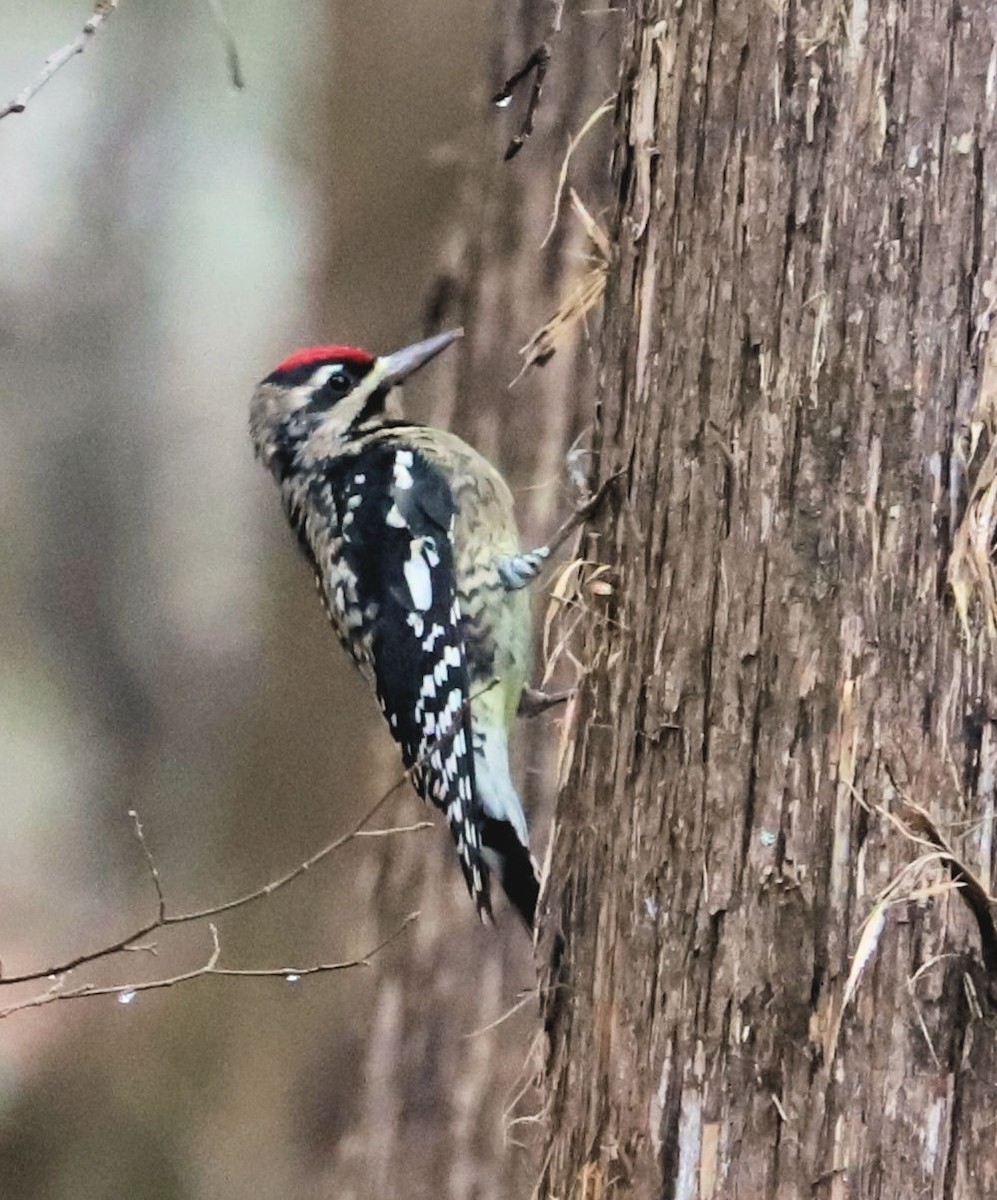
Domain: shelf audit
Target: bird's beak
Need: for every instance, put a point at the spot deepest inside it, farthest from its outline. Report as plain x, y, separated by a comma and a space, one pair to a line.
393, 368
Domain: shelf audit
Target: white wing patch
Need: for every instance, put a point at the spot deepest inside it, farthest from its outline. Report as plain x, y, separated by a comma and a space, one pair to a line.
419, 578
401, 473
432, 637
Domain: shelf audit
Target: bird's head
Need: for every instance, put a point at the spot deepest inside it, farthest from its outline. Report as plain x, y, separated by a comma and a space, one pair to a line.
320, 395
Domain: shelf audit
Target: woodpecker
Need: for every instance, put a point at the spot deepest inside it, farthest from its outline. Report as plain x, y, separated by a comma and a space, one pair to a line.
412, 539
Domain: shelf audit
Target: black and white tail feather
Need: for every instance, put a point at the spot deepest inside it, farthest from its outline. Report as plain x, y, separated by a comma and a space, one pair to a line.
398, 545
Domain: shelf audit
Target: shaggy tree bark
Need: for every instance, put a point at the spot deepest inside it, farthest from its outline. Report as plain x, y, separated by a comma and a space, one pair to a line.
795, 381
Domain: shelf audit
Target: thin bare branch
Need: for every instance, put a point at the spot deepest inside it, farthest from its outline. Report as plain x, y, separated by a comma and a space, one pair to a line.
585, 512
520, 1004
127, 992
536, 65
376, 833
150, 862
293, 974
166, 920
268, 889
55, 62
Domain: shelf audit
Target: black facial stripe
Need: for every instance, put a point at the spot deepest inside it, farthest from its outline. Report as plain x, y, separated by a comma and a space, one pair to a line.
373, 407
330, 393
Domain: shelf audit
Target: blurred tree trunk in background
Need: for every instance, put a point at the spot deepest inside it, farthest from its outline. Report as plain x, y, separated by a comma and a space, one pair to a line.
436, 1100
794, 374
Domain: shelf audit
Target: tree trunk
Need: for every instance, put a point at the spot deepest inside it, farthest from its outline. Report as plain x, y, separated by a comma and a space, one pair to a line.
794, 381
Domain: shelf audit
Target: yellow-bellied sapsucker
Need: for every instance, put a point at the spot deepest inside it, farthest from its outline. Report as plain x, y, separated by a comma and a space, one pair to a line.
412, 538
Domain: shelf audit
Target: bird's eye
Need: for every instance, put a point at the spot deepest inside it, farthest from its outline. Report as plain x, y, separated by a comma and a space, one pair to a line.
328, 385
338, 382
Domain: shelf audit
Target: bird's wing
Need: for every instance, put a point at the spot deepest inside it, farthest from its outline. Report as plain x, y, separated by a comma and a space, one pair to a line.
397, 520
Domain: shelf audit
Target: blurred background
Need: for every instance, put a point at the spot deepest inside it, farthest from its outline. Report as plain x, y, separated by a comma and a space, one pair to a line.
164, 240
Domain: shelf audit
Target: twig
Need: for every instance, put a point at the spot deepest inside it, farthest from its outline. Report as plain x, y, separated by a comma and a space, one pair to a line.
165, 920
537, 64
509, 1012
293, 974
150, 862
228, 41
281, 881
584, 512
127, 992
55, 62
373, 833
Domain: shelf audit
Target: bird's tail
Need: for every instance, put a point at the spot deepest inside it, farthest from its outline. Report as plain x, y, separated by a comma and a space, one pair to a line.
432, 784
512, 862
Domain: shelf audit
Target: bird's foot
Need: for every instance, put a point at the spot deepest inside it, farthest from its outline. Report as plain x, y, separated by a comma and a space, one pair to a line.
517, 570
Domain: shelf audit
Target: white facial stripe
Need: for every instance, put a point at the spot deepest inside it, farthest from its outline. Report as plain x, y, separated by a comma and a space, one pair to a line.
368, 385
322, 376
